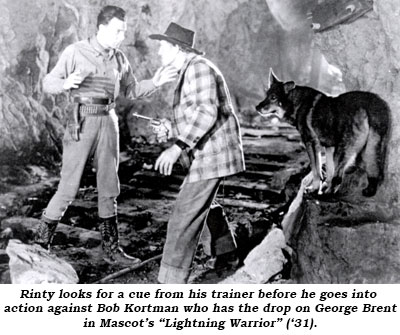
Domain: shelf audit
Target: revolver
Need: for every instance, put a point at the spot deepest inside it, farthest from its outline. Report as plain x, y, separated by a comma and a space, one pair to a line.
153, 122
157, 126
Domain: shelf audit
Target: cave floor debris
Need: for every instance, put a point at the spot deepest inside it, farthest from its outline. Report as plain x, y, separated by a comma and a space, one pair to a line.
254, 201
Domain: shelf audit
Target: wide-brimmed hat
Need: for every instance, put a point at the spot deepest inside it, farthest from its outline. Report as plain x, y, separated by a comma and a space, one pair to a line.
178, 35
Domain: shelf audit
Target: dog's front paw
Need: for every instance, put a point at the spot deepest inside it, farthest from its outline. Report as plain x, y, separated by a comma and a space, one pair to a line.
324, 188
312, 187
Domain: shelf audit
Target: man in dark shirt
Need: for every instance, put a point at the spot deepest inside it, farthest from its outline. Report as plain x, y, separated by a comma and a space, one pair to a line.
96, 72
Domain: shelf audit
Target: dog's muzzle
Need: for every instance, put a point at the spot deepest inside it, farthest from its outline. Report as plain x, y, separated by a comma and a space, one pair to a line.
267, 112
260, 109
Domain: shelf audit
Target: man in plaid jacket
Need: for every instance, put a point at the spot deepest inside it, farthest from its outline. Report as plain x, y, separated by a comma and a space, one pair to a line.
208, 143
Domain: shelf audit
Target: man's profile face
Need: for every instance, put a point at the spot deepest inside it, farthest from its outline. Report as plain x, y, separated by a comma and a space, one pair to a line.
113, 33
167, 52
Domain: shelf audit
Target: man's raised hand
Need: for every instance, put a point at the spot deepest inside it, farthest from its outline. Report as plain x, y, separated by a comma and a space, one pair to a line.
164, 75
73, 80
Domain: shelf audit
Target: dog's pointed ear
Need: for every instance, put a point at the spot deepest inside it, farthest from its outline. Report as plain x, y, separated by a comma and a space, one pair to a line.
272, 78
290, 85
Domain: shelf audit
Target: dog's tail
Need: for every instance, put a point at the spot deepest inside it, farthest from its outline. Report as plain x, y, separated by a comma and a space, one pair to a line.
379, 119
384, 146
374, 153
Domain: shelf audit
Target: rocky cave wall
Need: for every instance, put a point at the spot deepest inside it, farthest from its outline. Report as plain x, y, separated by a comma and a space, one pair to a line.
241, 36
350, 238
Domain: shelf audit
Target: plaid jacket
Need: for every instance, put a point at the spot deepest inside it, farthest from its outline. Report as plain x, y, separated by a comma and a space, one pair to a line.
203, 118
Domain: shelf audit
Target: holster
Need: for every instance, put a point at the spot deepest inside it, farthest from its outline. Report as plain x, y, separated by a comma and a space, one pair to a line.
74, 123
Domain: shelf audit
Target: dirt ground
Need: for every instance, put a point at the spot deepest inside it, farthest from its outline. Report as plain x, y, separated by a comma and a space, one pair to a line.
253, 202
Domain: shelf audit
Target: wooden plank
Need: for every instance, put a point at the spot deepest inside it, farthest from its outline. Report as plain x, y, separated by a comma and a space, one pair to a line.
237, 184
268, 131
242, 203
254, 164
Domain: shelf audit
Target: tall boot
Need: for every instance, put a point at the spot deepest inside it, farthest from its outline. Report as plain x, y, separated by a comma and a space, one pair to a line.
45, 232
113, 252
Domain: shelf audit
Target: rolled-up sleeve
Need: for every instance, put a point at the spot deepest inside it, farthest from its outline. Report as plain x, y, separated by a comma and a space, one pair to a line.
201, 111
131, 88
53, 82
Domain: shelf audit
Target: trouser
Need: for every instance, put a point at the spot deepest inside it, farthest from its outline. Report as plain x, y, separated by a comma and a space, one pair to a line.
99, 138
184, 228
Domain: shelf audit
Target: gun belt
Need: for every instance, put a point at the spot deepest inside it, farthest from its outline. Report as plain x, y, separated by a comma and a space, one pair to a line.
93, 101
96, 110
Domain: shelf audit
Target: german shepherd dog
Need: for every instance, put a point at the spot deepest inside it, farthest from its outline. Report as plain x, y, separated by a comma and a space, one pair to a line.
352, 127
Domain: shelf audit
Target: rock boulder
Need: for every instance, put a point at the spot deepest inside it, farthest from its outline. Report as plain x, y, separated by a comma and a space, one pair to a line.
31, 264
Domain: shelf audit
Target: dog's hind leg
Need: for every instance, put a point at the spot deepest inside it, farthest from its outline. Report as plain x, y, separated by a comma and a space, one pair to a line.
345, 160
374, 162
326, 186
318, 161
349, 150
314, 154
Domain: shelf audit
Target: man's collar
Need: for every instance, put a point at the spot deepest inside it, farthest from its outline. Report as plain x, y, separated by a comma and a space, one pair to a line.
186, 63
181, 72
100, 50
